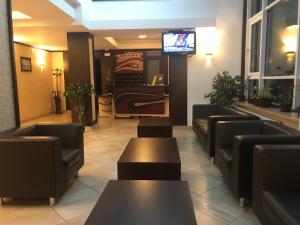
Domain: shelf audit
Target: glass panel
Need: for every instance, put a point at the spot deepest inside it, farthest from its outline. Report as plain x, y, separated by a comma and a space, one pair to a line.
255, 47
282, 39
256, 7
252, 88
280, 88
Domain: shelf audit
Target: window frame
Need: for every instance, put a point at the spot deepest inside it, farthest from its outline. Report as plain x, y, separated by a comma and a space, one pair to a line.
256, 19
261, 75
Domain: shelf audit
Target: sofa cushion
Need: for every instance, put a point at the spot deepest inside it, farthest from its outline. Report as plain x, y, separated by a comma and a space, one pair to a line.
284, 204
226, 155
70, 157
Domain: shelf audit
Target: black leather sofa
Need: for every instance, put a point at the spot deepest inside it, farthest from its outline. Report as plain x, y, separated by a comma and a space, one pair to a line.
40, 160
235, 141
205, 118
276, 184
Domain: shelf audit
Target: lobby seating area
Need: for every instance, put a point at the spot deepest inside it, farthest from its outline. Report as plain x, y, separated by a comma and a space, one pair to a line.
49, 157
212, 200
258, 160
206, 116
177, 112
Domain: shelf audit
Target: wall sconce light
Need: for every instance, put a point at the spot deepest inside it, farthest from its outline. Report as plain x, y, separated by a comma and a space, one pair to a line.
208, 41
41, 59
290, 36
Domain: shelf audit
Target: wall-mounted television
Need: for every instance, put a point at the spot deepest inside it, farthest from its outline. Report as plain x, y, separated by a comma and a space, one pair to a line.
179, 43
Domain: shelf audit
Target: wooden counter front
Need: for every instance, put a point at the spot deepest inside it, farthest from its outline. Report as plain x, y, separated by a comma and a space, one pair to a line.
140, 100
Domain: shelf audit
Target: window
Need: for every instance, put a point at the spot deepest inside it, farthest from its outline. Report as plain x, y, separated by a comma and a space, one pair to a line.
271, 1
255, 47
273, 49
252, 88
256, 7
280, 86
282, 39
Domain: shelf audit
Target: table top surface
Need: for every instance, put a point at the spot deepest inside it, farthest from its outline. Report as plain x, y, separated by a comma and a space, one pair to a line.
144, 203
151, 150
155, 121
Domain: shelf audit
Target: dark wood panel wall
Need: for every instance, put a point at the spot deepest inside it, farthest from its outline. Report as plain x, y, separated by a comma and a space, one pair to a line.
104, 72
66, 76
79, 59
108, 63
178, 89
12, 62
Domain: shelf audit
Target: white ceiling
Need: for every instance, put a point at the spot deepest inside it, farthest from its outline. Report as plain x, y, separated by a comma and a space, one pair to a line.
49, 26
114, 24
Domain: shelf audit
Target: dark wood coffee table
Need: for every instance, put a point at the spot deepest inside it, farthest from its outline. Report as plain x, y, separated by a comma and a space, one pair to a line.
155, 127
150, 159
144, 203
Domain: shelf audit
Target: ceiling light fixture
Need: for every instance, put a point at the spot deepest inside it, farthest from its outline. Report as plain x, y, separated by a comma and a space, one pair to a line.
17, 15
142, 36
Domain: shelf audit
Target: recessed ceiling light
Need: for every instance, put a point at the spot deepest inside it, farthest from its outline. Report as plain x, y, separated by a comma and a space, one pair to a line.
142, 36
16, 15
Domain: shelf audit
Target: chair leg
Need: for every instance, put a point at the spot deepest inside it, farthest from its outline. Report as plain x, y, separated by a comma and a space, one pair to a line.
51, 202
243, 202
1, 201
212, 160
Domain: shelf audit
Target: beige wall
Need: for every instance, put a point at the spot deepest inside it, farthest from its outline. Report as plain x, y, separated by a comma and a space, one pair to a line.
227, 55
34, 88
7, 113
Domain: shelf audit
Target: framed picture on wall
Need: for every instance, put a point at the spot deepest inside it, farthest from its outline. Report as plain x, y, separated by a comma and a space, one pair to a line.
26, 64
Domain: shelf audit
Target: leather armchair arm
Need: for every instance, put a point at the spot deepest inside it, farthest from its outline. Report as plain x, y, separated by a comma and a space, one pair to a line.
276, 167
242, 155
211, 129
31, 165
204, 110
69, 134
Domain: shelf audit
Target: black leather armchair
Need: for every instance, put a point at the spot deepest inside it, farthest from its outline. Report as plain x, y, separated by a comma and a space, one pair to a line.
276, 184
235, 141
205, 118
40, 160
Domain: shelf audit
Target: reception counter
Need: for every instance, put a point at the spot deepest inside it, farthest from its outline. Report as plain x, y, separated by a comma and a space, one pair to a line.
143, 100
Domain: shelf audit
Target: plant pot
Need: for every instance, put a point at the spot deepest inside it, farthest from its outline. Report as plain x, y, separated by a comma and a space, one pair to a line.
252, 99
242, 98
266, 103
57, 104
286, 108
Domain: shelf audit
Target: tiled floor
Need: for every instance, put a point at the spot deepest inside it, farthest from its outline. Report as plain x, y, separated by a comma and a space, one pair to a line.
104, 143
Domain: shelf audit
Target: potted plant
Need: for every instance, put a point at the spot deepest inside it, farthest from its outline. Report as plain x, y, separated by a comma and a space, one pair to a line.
76, 94
253, 97
240, 88
285, 97
264, 97
57, 101
225, 89
286, 102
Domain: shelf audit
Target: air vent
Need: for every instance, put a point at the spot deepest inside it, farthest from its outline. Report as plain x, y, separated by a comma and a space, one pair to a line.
73, 3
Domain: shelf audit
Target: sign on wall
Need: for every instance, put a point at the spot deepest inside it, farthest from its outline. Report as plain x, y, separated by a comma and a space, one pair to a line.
130, 62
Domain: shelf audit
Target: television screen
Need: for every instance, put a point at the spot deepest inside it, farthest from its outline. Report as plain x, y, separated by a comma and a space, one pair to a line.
179, 43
